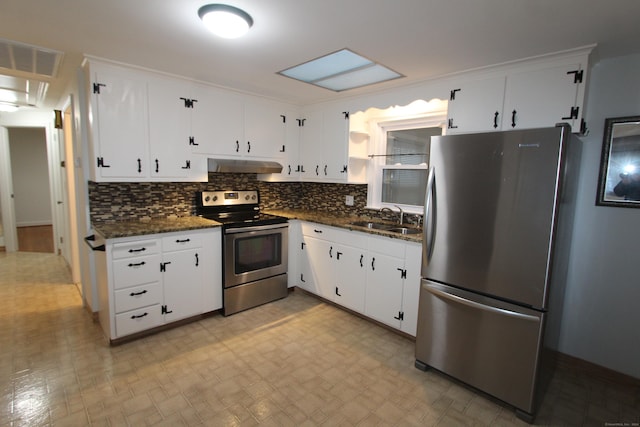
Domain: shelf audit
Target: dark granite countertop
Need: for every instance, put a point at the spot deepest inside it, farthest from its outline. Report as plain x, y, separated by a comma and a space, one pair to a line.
113, 230
341, 221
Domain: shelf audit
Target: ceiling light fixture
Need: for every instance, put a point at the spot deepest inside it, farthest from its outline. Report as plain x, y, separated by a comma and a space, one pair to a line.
341, 70
225, 21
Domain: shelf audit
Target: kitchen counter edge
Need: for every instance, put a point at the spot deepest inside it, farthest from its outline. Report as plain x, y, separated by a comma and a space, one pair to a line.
114, 230
341, 222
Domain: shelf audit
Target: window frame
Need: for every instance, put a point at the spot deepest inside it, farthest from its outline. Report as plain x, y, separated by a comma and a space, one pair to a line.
377, 161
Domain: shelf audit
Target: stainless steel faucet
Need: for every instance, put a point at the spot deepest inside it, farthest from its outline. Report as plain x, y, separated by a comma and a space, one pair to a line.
400, 212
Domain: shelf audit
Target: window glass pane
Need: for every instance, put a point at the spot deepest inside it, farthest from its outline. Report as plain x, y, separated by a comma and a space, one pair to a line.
404, 186
409, 146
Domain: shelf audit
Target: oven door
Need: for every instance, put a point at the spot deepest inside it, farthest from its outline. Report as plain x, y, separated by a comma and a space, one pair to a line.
254, 253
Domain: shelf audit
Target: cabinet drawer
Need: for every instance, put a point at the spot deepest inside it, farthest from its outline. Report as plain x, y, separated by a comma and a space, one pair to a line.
181, 241
136, 297
135, 249
136, 271
138, 320
335, 235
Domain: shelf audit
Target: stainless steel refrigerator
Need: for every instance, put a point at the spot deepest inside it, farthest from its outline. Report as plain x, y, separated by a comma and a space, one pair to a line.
497, 235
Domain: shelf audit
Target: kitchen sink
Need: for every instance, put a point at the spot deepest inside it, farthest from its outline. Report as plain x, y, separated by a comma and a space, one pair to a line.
372, 225
392, 228
404, 230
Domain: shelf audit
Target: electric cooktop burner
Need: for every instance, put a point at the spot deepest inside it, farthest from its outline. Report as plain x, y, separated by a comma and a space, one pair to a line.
236, 208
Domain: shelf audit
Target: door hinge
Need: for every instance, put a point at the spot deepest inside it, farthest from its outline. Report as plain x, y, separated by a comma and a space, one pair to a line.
165, 310
577, 75
452, 94
573, 114
403, 273
97, 86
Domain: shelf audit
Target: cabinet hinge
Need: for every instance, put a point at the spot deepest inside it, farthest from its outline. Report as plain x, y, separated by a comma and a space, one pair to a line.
96, 87
400, 316
163, 266
187, 164
403, 273
346, 115
583, 127
577, 75
573, 114
452, 94
450, 124
301, 122
344, 169
192, 140
165, 310
284, 118
188, 103
101, 163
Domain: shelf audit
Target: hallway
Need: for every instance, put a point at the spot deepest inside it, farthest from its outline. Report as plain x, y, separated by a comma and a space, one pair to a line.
294, 362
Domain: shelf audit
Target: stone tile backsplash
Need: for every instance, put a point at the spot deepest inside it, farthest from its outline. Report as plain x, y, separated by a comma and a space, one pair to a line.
110, 202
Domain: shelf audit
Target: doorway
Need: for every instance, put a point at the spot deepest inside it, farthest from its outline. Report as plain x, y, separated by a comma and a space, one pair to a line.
31, 189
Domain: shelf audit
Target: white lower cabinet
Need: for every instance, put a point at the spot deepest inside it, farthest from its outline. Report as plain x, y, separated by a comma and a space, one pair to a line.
375, 276
149, 281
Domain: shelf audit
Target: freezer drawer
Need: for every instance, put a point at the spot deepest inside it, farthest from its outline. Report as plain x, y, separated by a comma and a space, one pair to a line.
488, 344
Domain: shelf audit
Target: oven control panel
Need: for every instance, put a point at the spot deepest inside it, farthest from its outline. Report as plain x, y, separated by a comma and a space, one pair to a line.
226, 198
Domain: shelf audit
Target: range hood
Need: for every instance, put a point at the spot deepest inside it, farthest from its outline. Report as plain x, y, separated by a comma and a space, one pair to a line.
243, 166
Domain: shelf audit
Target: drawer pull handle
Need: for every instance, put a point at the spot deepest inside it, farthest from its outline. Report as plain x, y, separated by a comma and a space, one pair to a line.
137, 264
137, 250
317, 231
183, 241
138, 317
135, 294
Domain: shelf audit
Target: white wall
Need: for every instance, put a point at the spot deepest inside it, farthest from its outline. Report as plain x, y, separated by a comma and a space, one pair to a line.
30, 171
601, 315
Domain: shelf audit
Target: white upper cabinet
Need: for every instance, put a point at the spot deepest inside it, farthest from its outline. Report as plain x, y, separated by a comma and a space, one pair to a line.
476, 106
544, 97
531, 94
218, 122
324, 142
170, 140
119, 133
265, 128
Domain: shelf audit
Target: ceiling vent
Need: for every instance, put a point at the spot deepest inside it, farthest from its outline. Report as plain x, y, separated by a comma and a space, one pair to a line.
32, 60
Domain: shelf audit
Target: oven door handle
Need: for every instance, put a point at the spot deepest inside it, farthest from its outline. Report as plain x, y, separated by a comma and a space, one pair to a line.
255, 228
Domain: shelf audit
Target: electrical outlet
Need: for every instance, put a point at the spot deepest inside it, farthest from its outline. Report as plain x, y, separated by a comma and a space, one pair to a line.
348, 200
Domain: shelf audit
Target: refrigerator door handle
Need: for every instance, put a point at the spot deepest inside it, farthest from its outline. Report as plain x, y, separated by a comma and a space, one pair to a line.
430, 214
474, 304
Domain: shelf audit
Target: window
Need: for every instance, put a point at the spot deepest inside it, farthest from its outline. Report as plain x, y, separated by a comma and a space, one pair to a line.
400, 164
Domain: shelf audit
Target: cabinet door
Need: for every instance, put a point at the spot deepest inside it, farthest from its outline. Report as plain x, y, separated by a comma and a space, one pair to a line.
120, 124
384, 288
335, 142
317, 269
350, 277
169, 128
182, 284
542, 98
217, 122
476, 106
411, 288
264, 130
311, 149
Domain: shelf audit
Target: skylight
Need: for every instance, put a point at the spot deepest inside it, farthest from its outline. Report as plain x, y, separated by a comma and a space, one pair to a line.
341, 70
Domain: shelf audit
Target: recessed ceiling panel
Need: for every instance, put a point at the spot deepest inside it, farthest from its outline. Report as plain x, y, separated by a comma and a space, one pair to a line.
29, 59
340, 71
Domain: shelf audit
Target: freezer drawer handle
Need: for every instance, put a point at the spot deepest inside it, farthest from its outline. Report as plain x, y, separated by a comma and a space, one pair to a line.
477, 305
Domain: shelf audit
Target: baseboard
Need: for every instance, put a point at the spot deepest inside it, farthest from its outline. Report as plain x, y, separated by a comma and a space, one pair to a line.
593, 370
34, 224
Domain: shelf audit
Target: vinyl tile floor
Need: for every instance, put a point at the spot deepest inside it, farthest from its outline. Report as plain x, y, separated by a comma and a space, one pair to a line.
294, 362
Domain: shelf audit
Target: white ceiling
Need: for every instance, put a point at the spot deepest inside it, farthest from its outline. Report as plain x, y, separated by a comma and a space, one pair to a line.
418, 38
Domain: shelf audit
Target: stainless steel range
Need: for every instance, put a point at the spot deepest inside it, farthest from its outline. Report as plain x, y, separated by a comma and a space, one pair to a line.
254, 248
